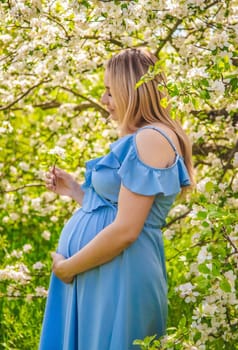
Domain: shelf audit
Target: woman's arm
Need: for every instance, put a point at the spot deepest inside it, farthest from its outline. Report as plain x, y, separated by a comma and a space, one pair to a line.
133, 210
77, 193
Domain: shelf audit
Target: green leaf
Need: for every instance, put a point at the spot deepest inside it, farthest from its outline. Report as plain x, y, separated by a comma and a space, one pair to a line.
182, 322
215, 269
204, 82
202, 282
164, 102
202, 215
205, 224
186, 99
204, 94
234, 84
173, 89
209, 186
225, 285
203, 268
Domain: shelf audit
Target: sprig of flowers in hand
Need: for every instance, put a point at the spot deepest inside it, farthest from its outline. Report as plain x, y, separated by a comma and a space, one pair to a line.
58, 152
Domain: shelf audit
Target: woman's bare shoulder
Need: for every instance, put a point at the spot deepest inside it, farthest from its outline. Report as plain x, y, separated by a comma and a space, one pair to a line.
171, 134
154, 149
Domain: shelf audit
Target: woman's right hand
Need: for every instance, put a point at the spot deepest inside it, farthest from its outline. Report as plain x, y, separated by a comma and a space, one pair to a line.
60, 182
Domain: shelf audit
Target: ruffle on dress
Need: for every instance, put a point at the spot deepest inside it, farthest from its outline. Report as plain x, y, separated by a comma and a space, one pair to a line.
135, 175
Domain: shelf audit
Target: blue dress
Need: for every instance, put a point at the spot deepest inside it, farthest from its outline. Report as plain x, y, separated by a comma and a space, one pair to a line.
108, 307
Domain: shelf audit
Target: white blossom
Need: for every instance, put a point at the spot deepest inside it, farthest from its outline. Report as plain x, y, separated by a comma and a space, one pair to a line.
209, 309
41, 291
218, 87
169, 234
19, 273
16, 254
46, 235
14, 216
230, 277
235, 184
178, 210
38, 265
58, 151
235, 161
27, 248
203, 255
24, 166
218, 40
187, 292
54, 218
201, 185
197, 72
36, 203
6, 127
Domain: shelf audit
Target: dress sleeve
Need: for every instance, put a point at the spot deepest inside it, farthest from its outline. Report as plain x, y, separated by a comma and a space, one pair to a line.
143, 179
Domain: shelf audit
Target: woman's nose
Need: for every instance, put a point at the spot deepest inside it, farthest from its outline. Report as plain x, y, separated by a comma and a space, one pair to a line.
104, 99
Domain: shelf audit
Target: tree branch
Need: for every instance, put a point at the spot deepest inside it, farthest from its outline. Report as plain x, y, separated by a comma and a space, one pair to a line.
56, 104
227, 237
22, 187
3, 108
7, 56
174, 28
210, 5
171, 222
94, 104
199, 244
230, 156
94, 37
212, 114
169, 35
204, 149
56, 21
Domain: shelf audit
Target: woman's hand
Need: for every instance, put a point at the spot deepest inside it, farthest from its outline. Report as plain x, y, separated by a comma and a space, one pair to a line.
58, 267
60, 182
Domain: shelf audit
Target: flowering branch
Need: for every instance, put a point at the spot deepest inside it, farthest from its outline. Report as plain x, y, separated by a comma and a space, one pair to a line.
212, 114
204, 149
56, 104
95, 104
230, 156
178, 218
21, 187
163, 42
55, 20
199, 244
94, 37
24, 94
227, 237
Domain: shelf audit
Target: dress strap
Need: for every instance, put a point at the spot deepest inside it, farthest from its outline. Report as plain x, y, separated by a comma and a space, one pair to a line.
162, 133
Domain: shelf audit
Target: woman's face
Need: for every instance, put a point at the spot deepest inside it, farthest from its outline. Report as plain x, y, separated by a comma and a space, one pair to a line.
107, 98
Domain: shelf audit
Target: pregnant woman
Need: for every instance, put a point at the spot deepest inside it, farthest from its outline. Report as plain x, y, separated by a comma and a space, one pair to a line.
108, 285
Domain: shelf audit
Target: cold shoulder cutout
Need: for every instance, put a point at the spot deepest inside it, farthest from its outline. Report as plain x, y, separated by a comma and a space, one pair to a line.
144, 179
154, 149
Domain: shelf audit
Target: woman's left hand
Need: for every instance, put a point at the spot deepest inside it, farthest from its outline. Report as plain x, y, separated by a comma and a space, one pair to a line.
58, 267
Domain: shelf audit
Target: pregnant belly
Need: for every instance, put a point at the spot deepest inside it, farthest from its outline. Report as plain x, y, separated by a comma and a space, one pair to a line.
82, 227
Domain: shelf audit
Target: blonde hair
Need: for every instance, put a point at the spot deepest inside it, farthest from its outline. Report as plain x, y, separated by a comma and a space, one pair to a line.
139, 106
